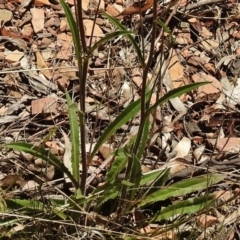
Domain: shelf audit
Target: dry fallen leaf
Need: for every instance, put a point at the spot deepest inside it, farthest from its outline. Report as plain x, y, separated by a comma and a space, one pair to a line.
37, 19
105, 150
40, 3
176, 70
14, 56
5, 15
225, 144
136, 8
44, 105
88, 24
209, 91
42, 64
205, 221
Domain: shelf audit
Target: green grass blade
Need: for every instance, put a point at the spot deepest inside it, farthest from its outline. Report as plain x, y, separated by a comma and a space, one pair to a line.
117, 166
110, 191
166, 29
192, 205
30, 206
182, 188
129, 112
43, 154
157, 183
135, 178
72, 108
107, 38
136, 173
115, 22
150, 176
144, 138
175, 93
73, 27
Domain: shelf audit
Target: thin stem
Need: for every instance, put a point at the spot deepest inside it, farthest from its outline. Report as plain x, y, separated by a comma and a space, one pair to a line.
82, 83
144, 82
143, 106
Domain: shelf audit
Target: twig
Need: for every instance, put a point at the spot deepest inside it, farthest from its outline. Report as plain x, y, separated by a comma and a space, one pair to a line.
200, 4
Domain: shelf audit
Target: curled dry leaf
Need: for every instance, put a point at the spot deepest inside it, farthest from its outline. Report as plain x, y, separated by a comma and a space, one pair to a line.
136, 8
40, 3
17, 42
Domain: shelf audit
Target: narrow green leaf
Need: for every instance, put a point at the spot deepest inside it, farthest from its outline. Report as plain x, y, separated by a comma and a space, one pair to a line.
24, 205
192, 205
73, 27
135, 177
43, 154
107, 38
74, 138
159, 181
129, 112
117, 166
30, 206
166, 29
136, 173
111, 192
144, 138
150, 176
115, 22
175, 93
182, 188
127, 183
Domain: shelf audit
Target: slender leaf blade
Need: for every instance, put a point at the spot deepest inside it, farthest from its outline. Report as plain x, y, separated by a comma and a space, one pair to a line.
182, 188
159, 181
43, 154
115, 22
73, 28
74, 135
144, 138
117, 166
150, 176
107, 38
129, 112
192, 205
175, 93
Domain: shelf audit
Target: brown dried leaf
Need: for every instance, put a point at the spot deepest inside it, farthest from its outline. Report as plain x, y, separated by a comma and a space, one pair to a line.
205, 221
176, 69
209, 91
137, 8
37, 19
105, 150
42, 64
40, 3
88, 24
112, 10
12, 179
44, 105
226, 144
54, 147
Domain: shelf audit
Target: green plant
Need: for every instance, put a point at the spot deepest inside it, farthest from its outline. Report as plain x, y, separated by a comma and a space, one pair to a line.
136, 190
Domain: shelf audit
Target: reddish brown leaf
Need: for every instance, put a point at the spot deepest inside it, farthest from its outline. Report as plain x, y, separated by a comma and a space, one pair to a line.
137, 8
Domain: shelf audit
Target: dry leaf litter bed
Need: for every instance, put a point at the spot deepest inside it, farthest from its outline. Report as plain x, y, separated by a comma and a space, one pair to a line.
195, 133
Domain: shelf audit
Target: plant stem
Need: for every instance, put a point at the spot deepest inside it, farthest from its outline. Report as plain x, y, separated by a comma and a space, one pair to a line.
143, 106
83, 66
144, 82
